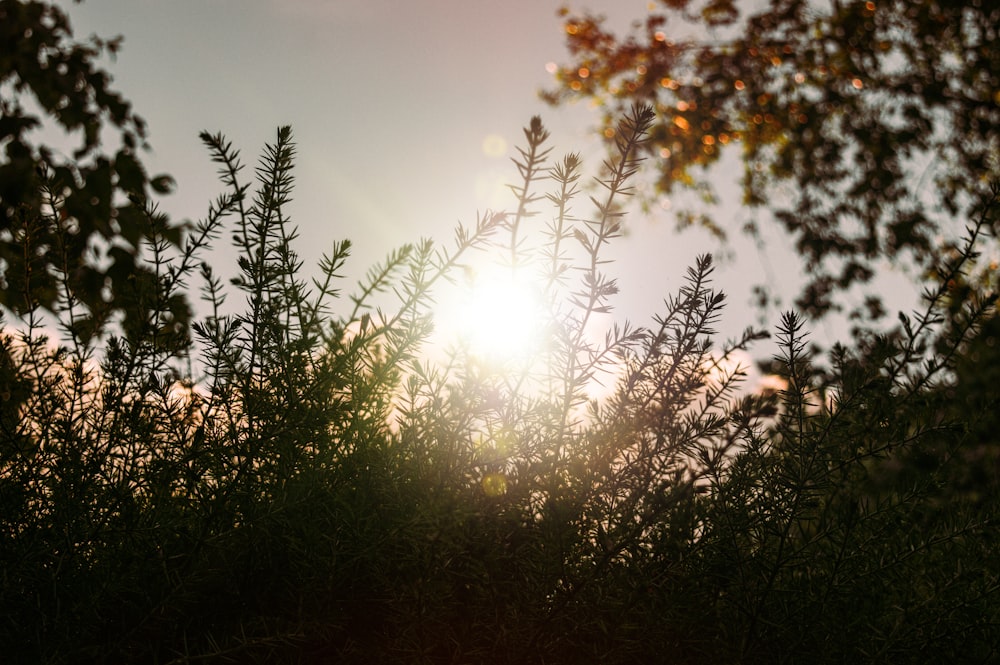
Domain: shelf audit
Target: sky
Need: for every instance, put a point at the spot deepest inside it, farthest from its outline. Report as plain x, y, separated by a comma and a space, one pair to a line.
405, 115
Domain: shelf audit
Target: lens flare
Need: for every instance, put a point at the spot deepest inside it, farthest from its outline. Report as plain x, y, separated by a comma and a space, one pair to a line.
502, 316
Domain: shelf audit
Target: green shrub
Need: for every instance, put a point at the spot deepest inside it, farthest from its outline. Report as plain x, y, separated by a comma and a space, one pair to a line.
290, 483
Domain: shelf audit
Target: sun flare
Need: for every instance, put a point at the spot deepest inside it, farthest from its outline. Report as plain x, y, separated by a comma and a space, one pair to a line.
500, 314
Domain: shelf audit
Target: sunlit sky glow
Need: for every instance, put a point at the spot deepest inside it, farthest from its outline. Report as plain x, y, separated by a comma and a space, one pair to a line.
405, 115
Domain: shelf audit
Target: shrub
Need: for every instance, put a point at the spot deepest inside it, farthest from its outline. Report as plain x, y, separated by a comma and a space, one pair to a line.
292, 484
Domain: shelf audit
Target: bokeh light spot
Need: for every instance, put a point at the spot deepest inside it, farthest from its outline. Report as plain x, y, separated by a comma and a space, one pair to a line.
494, 145
494, 484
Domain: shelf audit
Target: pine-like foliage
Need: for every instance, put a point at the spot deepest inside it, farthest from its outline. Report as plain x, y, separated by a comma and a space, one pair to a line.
302, 478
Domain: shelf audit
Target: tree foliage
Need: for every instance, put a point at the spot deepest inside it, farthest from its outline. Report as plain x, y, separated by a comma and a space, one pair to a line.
70, 225
864, 128
324, 490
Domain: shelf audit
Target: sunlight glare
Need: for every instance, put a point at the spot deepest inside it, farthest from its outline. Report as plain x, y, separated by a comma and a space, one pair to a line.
502, 316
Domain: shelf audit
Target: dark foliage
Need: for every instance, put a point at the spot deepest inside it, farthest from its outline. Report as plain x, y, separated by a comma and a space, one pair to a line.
322, 490
70, 226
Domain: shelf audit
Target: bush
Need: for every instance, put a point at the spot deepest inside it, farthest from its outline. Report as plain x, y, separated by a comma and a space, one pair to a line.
292, 484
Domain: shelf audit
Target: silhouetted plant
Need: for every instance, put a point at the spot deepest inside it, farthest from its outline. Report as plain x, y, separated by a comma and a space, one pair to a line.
295, 484
49, 80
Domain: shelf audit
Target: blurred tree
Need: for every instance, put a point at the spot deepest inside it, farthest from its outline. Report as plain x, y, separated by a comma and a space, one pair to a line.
861, 123
70, 226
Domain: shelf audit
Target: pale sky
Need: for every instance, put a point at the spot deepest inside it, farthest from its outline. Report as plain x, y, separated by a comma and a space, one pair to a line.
391, 104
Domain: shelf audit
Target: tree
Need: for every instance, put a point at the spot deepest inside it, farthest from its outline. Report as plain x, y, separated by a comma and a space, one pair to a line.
70, 226
864, 127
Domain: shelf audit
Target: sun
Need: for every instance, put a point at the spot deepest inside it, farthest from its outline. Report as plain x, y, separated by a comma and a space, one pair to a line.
500, 315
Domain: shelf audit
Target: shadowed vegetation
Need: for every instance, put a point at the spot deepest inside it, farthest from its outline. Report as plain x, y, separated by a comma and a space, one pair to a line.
303, 481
